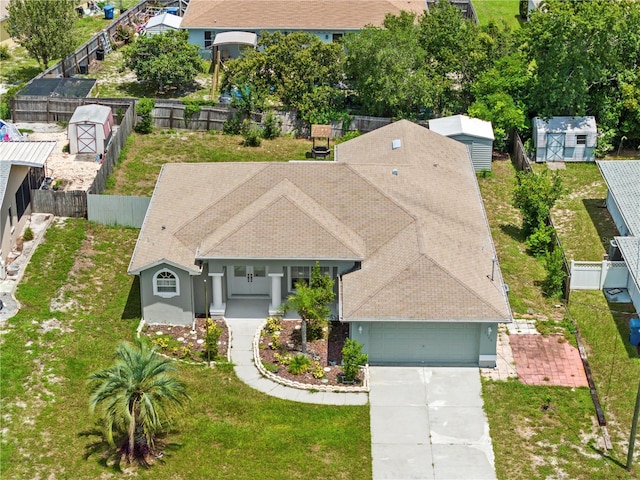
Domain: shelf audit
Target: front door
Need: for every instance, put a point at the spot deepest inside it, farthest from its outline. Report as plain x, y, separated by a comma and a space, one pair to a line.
249, 280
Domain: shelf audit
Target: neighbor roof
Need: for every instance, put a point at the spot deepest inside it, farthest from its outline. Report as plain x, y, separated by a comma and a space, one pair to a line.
623, 181
167, 19
412, 215
92, 113
29, 154
293, 14
462, 125
566, 124
630, 249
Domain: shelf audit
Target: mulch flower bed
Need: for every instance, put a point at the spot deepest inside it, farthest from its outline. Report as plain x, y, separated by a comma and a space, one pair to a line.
326, 352
180, 341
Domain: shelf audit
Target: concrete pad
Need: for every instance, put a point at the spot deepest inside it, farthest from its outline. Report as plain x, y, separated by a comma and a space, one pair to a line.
393, 425
453, 386
242, 357
390, 395
404, 461
457, 425
461, 462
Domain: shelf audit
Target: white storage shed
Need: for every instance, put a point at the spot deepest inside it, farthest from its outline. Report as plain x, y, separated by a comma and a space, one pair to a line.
565, 139
90, 129
163, 23
476, 134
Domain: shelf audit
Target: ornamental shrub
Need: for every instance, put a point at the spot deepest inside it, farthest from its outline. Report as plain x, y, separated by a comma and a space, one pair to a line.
299, 364
352, 358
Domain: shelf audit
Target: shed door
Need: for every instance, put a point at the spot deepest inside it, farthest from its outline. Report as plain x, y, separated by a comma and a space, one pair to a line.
424, 343
555, 147
86, 134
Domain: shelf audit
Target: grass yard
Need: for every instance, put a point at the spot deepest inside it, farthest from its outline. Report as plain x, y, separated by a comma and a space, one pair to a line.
144, 155
522, 272
78, 303
497, 11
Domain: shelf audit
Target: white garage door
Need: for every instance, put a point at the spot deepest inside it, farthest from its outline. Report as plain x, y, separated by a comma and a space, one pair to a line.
423, 343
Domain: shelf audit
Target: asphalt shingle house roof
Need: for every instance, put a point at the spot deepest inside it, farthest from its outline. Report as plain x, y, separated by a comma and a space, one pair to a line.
402, 200
623, 181
258, 15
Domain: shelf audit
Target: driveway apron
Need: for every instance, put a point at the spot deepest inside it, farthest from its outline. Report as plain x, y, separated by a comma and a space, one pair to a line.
428, 423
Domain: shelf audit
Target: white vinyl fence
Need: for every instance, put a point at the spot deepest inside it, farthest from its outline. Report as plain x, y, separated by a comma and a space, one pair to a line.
598, 275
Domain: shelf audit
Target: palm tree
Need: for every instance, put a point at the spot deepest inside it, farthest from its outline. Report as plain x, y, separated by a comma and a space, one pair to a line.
135, 395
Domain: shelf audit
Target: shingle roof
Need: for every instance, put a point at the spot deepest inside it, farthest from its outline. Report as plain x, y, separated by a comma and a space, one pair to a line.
412, 214
167, 19
259, 15
630, 249
623, 181
462, 125
92, 113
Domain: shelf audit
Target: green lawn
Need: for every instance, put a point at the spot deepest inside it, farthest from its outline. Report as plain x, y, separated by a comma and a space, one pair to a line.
77, 282
497, 11
144, 155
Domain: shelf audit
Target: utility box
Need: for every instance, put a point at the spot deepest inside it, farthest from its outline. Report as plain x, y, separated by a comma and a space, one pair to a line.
634, 331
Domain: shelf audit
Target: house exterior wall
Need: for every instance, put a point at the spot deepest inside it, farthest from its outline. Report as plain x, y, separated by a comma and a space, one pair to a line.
12, 228
616, 215
176, 310
480, 150
159, 29
196, 37
4, 32
634, 293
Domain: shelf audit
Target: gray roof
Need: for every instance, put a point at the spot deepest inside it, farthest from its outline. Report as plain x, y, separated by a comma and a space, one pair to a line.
29, 154
462, 125
623, 181
92, 113
412, 215
168, 19
630, 249
566, 124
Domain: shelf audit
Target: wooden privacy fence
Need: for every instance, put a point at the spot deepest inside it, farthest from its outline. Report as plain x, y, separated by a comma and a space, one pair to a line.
30, 108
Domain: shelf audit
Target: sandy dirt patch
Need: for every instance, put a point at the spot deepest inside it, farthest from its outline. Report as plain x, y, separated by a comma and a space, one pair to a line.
72, 172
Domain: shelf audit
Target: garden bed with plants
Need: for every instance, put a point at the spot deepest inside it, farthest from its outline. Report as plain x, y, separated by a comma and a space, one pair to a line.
209, 341
331, 358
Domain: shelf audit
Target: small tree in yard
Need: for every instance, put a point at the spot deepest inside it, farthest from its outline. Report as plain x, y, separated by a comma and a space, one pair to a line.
43, 27
135, 395
535, 195
352, 358
553, 284
164, 61
312, 302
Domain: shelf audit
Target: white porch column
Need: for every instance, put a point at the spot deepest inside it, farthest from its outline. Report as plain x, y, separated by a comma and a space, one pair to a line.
276, 292
217, 307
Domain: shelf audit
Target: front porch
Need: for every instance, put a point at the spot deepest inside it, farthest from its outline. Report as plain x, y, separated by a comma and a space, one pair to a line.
258, 308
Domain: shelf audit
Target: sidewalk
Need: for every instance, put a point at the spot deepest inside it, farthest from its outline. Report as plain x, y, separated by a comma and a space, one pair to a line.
243, 331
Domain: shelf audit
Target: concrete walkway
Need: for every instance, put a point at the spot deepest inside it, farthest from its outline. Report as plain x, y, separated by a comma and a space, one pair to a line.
243, 330
428, 423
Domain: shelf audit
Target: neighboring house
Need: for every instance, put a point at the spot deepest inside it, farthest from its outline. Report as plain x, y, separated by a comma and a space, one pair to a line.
330, 20
21, 170
90, 129
476, 134
397, 220
565, 139
623, 203
4, 20
162, 23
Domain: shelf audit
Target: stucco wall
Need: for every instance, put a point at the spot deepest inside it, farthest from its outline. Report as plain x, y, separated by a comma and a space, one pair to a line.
9, 233
176, 310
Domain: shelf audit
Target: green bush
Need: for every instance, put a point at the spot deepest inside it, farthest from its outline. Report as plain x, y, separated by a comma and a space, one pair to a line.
273, 325
541, 240
553, 284
352, 358
535, 195
283, 358
348, 136
4, 52
232, 126
252, 135
271, 126
316, 370
144, 107
299, 364
211, 338
27, 235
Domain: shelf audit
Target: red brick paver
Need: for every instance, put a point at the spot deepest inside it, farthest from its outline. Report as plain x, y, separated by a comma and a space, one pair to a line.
547, 361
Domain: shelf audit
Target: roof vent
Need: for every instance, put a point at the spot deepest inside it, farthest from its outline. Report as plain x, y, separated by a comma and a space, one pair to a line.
396, 144
394, 172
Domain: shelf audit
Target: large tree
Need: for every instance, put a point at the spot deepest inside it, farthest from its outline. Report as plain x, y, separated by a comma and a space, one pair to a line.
165, 60
289, 68
135, 396
43, 27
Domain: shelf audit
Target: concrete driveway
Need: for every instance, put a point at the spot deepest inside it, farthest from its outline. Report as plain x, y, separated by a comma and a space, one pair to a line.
428, 423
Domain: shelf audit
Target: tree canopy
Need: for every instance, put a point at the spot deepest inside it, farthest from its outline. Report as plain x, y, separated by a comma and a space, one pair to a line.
43, 27
165, 60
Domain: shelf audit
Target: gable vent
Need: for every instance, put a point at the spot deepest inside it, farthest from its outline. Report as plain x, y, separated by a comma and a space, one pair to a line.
397, 143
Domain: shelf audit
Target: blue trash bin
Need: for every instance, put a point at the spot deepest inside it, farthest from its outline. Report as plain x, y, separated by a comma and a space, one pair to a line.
108, 12
172, 10
634, 331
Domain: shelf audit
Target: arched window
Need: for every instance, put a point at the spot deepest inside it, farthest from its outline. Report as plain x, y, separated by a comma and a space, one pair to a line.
166, 284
